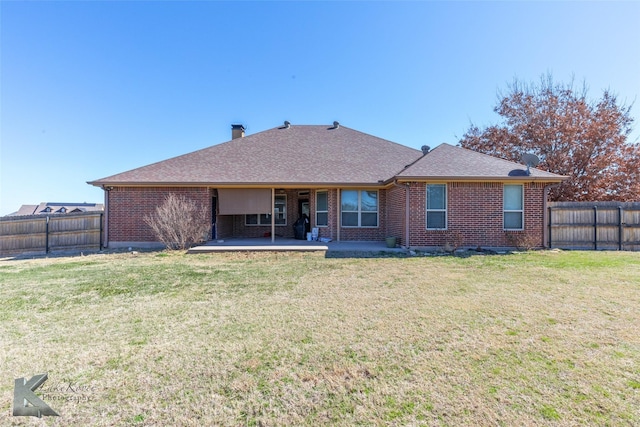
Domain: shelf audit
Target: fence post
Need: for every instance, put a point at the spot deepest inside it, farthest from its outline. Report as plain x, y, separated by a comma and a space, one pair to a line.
550, 221
46, 236
620, 229
595, 228
101, 227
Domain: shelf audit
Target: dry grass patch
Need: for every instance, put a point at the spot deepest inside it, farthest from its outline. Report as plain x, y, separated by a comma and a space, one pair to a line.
544, 338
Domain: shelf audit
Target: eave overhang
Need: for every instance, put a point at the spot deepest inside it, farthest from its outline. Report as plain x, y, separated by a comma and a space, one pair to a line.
549, 180
287, 185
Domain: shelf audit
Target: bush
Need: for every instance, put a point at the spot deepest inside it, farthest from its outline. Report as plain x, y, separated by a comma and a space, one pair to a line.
523, 241
179, 222
454, 239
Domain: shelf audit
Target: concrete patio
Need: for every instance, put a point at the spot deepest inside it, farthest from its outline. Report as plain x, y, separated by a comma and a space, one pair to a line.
291, 245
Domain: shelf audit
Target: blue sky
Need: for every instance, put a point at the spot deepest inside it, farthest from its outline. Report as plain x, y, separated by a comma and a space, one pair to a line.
90, 89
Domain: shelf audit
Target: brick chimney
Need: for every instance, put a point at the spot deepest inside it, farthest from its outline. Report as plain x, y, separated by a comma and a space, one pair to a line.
237, 131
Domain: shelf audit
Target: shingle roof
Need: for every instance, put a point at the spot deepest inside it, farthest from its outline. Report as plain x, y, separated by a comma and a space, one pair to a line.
56, 207
320, 155
25, 210
310, 154
449, 162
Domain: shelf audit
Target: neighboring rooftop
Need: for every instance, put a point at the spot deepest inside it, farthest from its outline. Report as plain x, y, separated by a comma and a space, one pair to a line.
57, 208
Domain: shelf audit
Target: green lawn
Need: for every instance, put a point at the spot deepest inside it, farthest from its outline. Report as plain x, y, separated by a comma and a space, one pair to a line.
160, 339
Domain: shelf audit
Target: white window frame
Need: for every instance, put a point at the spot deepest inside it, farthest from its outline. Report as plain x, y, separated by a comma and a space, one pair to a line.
326, 193
428, 209
360, 211
505, 210
267, 218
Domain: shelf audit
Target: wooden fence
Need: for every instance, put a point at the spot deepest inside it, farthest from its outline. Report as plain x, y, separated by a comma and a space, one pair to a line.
594, 225
45, 233
571, 225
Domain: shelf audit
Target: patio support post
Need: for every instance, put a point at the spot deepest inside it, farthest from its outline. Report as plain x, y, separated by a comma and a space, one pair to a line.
273, 215
338, 219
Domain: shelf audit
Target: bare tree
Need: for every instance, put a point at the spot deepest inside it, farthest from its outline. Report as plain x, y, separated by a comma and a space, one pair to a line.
572, 135
179, 222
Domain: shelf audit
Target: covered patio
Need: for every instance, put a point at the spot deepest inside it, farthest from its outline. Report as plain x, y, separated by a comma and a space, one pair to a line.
282, 244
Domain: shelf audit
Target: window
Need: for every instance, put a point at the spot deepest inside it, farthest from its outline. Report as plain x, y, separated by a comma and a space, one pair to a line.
359, 208
513, 200
322, 209
436, 206
280, 205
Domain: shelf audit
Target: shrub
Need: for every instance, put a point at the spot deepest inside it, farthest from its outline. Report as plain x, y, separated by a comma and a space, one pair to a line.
523, 241
179, 222
454, 240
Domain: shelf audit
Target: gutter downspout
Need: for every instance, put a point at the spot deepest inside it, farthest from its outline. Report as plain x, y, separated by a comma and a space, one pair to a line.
106, 216
406, 211
406, 199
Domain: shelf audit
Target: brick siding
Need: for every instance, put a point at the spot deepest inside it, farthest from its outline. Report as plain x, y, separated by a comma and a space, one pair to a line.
396, 218
127, 207
475, 216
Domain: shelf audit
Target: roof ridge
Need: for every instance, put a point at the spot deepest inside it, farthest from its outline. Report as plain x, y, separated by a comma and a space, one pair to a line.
452, 161
493, 157
337, 154
458, 147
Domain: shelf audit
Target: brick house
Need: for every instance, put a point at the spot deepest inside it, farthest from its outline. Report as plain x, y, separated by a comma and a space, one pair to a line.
351, 185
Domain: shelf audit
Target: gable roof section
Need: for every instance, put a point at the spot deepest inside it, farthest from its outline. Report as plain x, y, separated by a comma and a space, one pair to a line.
447, 162
300, 154
57, 207
25, 210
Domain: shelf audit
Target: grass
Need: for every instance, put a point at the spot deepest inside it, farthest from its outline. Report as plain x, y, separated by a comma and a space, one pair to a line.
154, 339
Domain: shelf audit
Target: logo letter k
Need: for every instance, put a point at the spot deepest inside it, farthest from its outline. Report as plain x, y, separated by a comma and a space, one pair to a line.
23, 395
